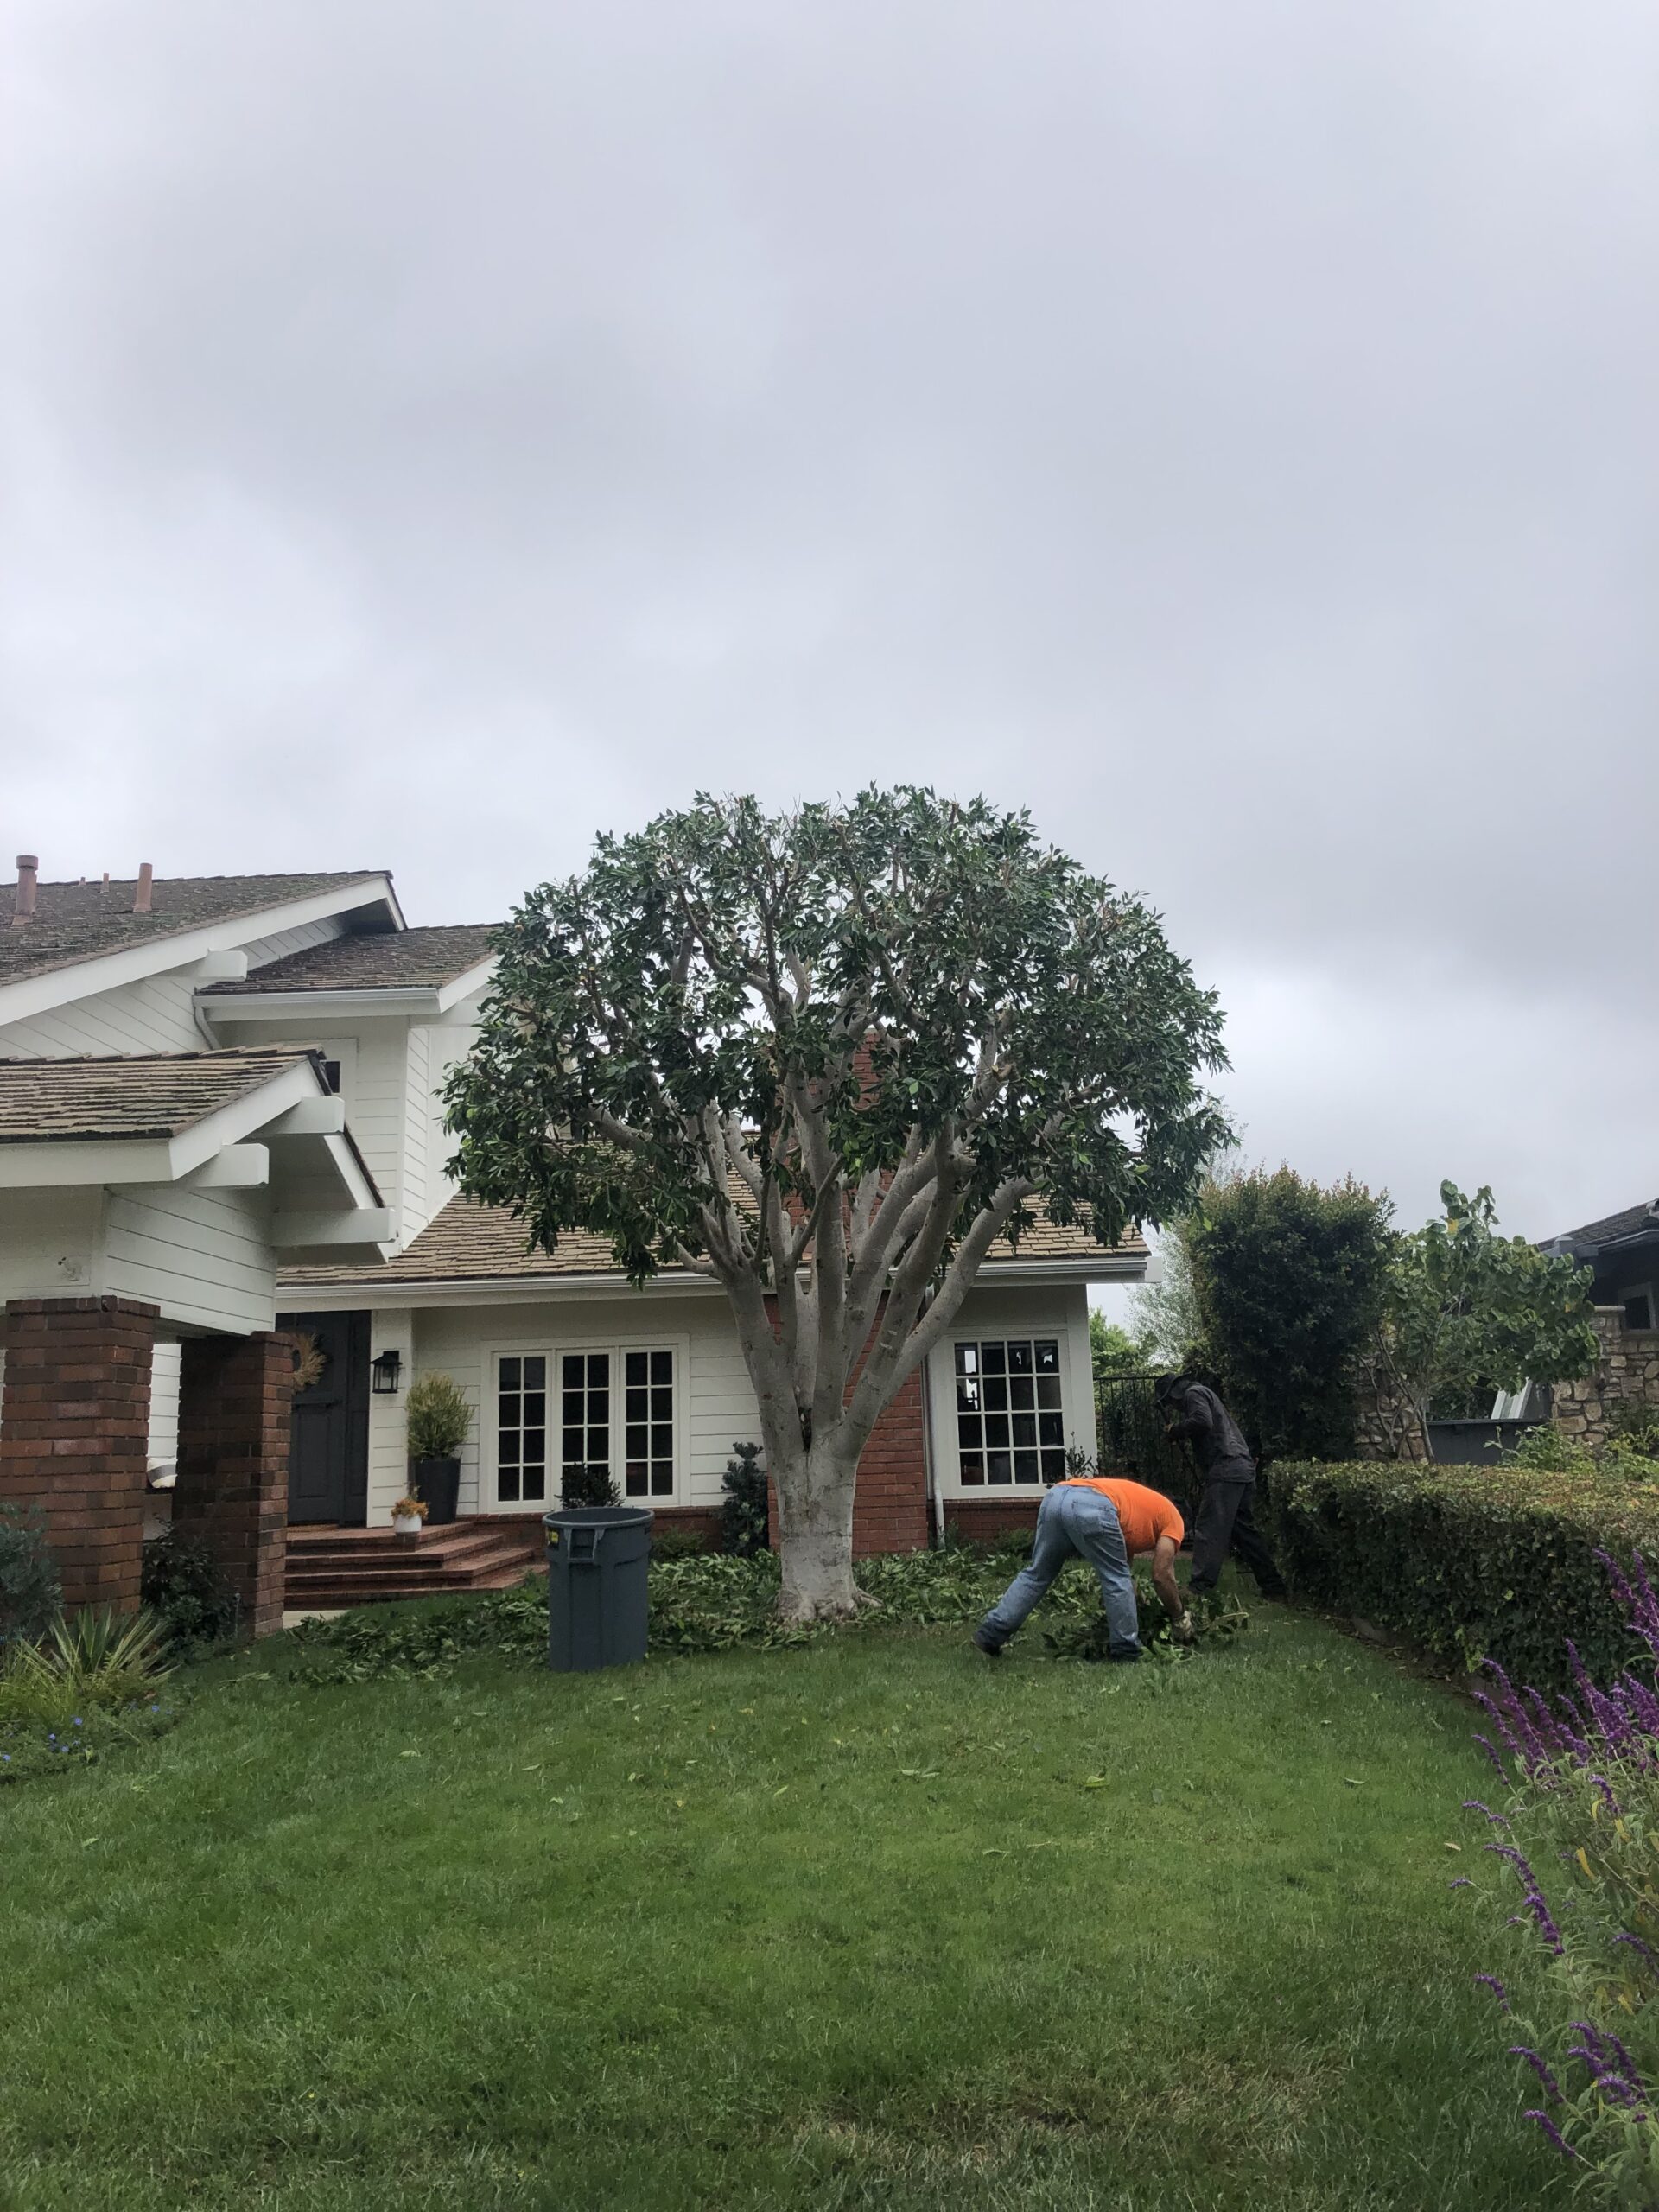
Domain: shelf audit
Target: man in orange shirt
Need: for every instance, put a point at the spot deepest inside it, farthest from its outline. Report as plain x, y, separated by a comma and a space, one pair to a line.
1107, 1523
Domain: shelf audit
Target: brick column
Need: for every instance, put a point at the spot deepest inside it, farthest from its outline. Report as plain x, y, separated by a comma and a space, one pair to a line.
74, 1434
232, 1494
890, 1507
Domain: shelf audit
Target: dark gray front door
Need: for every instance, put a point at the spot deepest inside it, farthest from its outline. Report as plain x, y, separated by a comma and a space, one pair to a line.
329, 1448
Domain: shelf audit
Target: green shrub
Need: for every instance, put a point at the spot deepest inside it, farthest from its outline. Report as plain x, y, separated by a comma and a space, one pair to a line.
31, 1596
93, 1660
587, 1486
1467, 1562
183, 1584
743, 1527
678, 1543
439, 1417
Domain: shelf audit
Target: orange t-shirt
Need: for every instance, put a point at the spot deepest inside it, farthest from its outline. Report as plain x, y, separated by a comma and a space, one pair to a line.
1145, 1515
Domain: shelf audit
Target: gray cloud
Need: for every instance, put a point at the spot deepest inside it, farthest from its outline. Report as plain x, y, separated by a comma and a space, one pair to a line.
436, 434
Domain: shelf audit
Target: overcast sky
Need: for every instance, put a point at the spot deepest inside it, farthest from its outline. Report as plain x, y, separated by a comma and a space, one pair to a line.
438, 432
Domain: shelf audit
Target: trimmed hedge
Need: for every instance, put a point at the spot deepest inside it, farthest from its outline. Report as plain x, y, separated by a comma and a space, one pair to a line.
1467, 1562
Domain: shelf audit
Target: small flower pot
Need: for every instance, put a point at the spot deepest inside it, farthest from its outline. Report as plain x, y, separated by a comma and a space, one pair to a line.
406, 1527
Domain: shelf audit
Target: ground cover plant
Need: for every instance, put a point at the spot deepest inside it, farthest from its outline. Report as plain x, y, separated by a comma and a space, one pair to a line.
88, 1684
862, 1921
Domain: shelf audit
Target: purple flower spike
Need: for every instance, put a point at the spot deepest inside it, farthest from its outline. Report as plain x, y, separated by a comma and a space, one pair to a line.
1490, 1981
1551, 2087
1642, 1951
1552, 2131
1462, 1882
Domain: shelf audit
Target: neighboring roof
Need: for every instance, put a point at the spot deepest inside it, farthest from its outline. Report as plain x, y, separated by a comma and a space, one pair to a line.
398, 960
1612, 1228
473, 1243
74, 922
67, 1101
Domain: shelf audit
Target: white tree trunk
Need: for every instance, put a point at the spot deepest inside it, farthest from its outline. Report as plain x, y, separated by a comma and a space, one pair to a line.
814, 1512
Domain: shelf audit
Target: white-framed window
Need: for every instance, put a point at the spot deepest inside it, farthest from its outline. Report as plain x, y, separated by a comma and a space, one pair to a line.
617, 1406
1637, 1299
1010, 1412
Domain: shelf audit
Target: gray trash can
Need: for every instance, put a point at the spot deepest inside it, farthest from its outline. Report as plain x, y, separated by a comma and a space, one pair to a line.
597, 1561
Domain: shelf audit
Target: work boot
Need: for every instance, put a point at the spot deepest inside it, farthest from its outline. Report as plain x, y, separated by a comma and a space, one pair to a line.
985, 1642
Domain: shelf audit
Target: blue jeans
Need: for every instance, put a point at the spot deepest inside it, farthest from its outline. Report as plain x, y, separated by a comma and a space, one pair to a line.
1074, 1524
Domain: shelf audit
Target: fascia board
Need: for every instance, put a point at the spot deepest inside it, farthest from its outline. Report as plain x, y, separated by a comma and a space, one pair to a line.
245, 1116
106, 971
1057, 1271
508, 1290
308, 1005
451, 994
50, 1167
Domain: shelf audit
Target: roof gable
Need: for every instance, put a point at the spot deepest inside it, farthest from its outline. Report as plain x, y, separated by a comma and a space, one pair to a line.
129, 1100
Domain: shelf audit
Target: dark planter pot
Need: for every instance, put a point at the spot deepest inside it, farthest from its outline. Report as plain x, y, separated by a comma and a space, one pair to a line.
438, 1481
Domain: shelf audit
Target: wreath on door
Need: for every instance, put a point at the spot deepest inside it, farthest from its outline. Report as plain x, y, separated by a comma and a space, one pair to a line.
310, 1361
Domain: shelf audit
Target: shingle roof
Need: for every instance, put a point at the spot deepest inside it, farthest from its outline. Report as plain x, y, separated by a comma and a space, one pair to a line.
1613, 1226
74, 922
69, 1102
389, 961
471, 1243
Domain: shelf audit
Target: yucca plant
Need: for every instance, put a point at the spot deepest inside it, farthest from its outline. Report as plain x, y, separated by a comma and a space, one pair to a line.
93, 1659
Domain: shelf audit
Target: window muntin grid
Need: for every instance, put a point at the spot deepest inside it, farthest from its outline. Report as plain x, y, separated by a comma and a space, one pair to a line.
584, 1410
521, 1427
648, 1423
1010, 1413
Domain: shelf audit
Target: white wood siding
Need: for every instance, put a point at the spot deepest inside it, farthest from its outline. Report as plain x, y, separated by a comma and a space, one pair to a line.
164, 1402
203, 1256
48, 1242
263, 951
413, 1211
716, 1403
154, 1016
391, 1329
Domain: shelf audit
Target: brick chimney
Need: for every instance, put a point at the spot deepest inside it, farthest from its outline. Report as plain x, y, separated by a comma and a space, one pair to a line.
22, 905
141, 893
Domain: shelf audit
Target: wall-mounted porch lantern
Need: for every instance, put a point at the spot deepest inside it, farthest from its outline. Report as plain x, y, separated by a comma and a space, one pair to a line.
386, 1370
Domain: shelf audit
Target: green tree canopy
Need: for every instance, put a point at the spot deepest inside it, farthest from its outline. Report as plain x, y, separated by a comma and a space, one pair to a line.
827, 1060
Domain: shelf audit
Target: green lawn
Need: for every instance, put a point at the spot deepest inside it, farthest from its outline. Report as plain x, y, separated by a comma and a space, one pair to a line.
871, 1923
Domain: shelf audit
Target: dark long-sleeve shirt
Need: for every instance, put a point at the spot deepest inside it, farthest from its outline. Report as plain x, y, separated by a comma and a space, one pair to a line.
1214, 1434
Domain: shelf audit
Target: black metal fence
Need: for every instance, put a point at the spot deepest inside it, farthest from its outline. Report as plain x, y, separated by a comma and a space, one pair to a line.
1130, 1427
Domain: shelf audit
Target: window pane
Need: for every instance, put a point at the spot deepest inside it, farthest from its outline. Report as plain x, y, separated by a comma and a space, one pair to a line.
662, 1401
662, 1367
1025, 1428
996, 1428
534, 1482
973, 1469
1048, 1357
598, 1405
634, 1366
510, 1372
996, 1395
634, 1440
536, 1373
662, 1441
1051, 1429
1022, 1392
1638, 1311
662, 1482
637, 1406
574, 1369
636, 1480
1048, 1391
573, 1448
967, 1432
995, 1357
1053, 1466
508, 1486
967, 1395
1024, 1467
967, 1359
1019, 1359
508, 1453
599, 1369
534, 1446
999, 1466
535, 1409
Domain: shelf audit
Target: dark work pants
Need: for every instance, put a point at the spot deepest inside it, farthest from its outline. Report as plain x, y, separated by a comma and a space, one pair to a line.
1225, 1523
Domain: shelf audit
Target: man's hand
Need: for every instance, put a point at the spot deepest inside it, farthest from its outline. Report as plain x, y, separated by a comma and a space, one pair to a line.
1182, 1630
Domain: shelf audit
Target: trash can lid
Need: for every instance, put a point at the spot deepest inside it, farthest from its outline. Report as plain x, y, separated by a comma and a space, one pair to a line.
599, 1516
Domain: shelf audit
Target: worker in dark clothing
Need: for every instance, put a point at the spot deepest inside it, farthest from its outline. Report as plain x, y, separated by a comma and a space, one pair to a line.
1224, 1521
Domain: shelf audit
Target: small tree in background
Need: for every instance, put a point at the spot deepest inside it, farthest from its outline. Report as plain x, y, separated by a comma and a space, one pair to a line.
828, 1060
743, 1514
1164, 1320
1467, 1309
1289, 1281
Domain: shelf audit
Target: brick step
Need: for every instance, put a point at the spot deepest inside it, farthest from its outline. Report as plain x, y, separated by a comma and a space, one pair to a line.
334, 1593
462, 1540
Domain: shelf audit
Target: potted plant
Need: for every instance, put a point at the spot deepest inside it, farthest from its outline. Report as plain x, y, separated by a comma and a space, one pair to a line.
439, 1418
407, 1516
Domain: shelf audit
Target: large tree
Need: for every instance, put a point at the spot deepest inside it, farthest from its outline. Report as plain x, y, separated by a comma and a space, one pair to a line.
828, 1060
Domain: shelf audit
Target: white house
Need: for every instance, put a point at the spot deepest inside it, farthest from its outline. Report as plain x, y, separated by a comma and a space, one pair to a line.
219, 1113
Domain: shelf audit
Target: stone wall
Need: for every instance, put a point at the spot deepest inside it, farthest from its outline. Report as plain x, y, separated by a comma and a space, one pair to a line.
1626, 1374
1387, 1426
